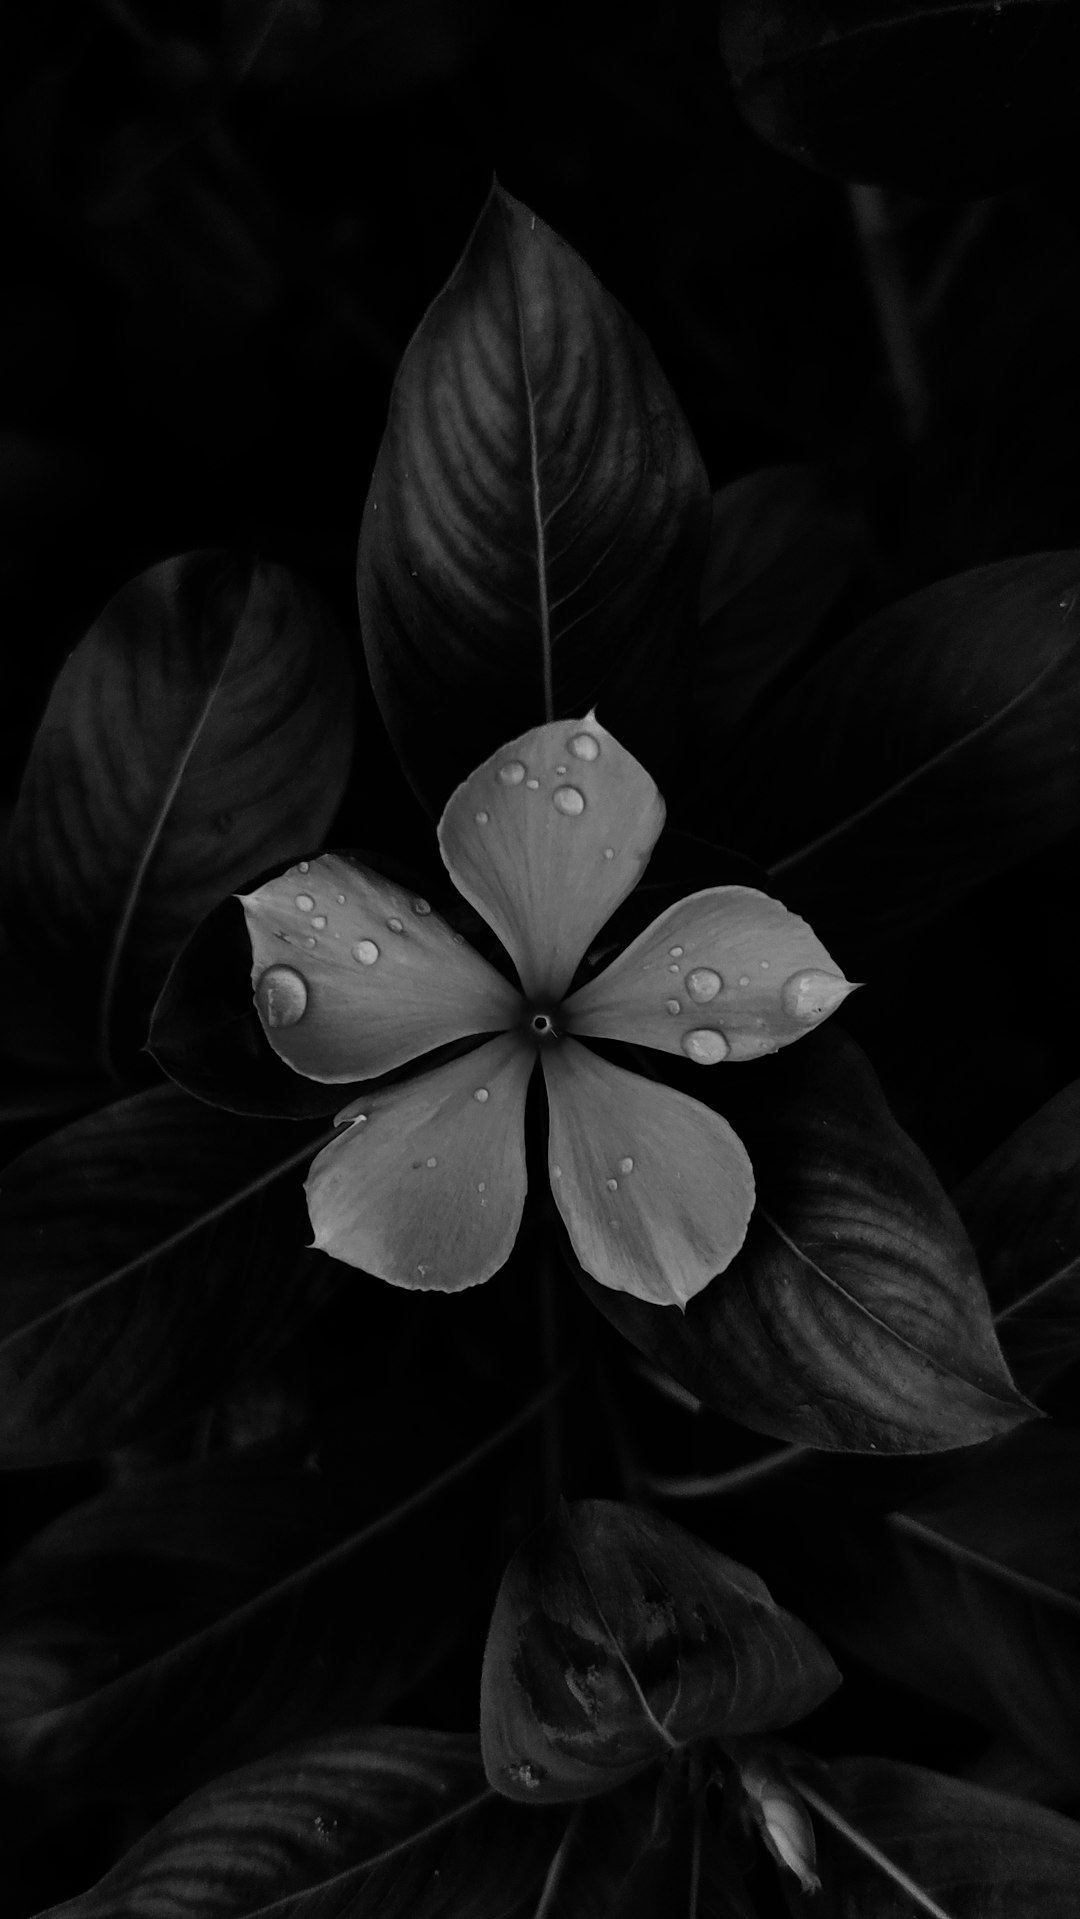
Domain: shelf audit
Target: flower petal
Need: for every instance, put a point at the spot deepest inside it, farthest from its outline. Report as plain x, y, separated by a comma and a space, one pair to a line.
354, 976
655, 1190
726, 974
546, 839
426, 1187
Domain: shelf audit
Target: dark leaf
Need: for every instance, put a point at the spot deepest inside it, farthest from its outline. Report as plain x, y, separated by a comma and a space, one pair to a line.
854, 1316
616, 1638
200, 732
924, 755
972, 1595
149, 1253
936, 96
784, 547
1022, 1209
977, 1854
534, 534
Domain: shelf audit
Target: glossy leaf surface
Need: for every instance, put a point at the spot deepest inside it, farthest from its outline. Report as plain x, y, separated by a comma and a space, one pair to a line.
200, 731
534, 533
1022, 1209
147, 1255
936, 96
854, 1316
616, 1638
978, 1854
922, 756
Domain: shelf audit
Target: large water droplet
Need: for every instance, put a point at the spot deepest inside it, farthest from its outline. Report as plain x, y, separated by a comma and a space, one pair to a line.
421, 907
366, 952
673, 1005
585, 746
281, 996
568, 800
319, 921
512, 773
482, 1095
482, 818
705, 1046
811, 995
395, 926
703, 985
626, 1165
305, 902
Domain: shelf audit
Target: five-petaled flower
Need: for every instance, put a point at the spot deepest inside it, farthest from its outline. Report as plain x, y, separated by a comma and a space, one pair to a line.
354, 977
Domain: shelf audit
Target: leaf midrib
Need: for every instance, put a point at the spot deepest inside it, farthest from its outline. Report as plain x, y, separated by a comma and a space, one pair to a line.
983, 1563
539, 525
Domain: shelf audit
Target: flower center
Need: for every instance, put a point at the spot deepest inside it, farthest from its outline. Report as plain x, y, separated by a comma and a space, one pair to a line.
541, 1024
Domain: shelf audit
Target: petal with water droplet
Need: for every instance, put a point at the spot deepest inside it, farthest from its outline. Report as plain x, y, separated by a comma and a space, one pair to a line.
539, 871
745, 955
667, 1231
398, 1196
373, 1003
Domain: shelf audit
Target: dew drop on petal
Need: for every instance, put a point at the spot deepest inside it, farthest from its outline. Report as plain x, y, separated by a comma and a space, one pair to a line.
311, 940
305, 902
705, 1046
811, 995
703, 985
341, 899
676, 952
673, 1005
319, 921
673, 968
303, 866
366, 952
744, 979
482, 1094
764, 966
481, 1185
359, 1119
560, 772
609, 852
512, 773
568, 800
528, 1776
585, 746
432, 1161
395, 926
626, 1165
612, 1185
421, 907
556, 1172
482, 818
281, 996
533, 785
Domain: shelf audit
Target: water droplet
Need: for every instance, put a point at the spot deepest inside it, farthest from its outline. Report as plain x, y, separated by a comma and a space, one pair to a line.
764, 966
482, 818
703, 985
341, 899
626, 1165
311, 940
319, 921
421, 907
482, 1094
560, 772
529, 1776
609, 852
705, 1046
676, 952
359, 1119
585, 746
673, 1005
304, 866
744, 979
512, 773
612, 1185
432, 1161
305, 902
481, 1185
422, 1269
556, 1172
751, 1046
568, 800
811, 995
674, 967
281, 996
533, 785
366, 952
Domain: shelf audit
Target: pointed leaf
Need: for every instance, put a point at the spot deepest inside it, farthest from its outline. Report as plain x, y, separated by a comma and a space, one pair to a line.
149, 1252
1022, 1209
922, 756
784, 547
934, 96
975, 1854
535, 529
854, 1316
200, 731
616, 1638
